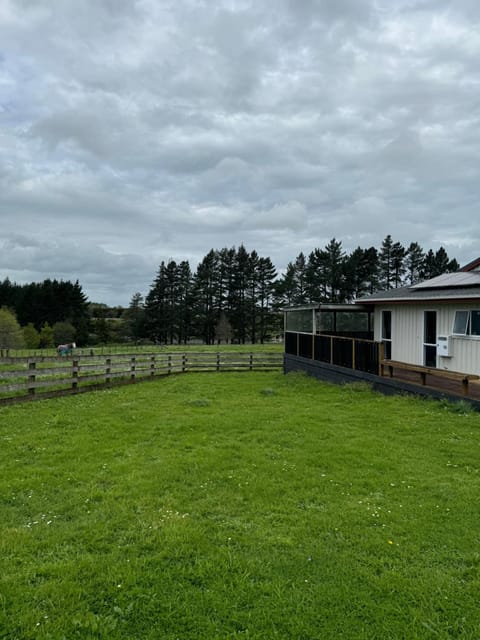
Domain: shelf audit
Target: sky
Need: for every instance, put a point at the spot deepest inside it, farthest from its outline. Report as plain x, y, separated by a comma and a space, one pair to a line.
136, 131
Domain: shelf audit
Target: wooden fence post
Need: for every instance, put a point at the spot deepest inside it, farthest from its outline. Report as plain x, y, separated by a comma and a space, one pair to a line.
331, 349
108, 370
169, 363
31, 377
132, 368
218, 361
251, 361
152, 365
353, 353
74, 374
184, 362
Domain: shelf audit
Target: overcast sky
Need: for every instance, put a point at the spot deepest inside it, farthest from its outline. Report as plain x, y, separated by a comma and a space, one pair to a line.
133, 132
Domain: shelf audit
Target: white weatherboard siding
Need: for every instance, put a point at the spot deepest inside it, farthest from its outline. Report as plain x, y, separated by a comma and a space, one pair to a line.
408, 335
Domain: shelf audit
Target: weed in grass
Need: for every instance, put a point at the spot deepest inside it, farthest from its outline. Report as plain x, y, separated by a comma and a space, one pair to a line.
268, 392
199, 402
460, 407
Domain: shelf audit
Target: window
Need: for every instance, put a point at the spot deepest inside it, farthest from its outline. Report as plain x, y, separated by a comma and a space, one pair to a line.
387, 334
300, 321
460, 324
466, 323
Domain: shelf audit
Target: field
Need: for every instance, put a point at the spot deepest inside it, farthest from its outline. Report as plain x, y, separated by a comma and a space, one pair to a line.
239, 505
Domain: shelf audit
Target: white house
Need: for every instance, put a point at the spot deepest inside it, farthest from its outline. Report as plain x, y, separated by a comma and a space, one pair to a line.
435, 323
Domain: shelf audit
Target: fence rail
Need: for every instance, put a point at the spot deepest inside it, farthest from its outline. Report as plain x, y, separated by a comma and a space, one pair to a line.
29, 378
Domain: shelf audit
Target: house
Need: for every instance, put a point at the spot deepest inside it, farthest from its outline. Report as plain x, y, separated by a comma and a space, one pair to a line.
422, 339
435, 323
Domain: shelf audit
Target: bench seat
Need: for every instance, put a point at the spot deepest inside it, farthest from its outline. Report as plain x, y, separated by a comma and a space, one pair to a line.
464, 378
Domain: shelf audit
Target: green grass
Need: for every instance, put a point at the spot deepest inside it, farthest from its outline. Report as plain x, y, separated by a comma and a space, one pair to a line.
249, 505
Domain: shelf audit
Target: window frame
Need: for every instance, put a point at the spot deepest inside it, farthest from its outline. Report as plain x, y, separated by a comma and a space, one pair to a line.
466, 324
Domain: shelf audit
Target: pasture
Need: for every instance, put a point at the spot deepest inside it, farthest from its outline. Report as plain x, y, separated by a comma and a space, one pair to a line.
239, 505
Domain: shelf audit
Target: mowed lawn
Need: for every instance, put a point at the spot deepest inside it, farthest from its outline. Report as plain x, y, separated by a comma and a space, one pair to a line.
244, 505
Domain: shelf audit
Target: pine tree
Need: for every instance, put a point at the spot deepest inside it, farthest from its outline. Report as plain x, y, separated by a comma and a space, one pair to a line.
134, 318
205, 289
398, 266
385, 263
413, 262
265, 276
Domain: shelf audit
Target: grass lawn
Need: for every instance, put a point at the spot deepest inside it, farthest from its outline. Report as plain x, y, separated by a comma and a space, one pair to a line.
243, 505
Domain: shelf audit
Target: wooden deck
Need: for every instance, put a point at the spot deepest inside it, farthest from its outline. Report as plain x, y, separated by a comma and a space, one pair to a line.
451, 386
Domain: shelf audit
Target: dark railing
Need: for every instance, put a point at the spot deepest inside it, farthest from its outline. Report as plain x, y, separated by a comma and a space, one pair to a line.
350, 352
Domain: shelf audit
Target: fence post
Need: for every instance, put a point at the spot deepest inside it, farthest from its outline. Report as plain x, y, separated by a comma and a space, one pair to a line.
218, 361
169, 363
184, 362
152, 365
74, 374
251, 361
31, 377
353, 353
108, 370
331, 349
132, 368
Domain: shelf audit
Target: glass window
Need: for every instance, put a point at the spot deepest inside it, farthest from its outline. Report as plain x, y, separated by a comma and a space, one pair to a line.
475, 323
430, 320
325, 322
460, 324
387, 325
352, 321
301, 321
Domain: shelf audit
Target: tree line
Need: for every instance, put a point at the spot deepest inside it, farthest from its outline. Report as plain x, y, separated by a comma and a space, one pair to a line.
236, 295
232, 296
43, 314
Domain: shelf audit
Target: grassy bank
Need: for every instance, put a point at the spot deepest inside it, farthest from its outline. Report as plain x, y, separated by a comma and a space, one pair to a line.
215, 506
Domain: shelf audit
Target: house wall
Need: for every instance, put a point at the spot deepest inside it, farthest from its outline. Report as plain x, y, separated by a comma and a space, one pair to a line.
408, 335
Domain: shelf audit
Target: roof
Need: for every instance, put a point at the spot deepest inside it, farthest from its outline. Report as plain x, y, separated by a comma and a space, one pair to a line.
463, 285
471, 266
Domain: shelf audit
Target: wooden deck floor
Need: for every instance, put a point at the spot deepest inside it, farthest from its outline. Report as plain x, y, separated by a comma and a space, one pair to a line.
439, 384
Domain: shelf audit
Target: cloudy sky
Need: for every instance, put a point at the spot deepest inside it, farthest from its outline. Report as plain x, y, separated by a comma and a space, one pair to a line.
135, 131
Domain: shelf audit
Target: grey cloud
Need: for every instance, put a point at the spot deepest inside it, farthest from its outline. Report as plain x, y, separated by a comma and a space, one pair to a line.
140, 131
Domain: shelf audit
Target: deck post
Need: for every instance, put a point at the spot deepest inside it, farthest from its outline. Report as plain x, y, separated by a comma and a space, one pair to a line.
381, 356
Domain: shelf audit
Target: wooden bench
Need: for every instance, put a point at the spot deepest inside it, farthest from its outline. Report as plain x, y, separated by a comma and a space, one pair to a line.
464, 378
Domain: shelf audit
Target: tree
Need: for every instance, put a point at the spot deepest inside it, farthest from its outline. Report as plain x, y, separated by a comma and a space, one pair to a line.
206, 301
134, 318
265, 277
47, 338
63, 332
435, 264
293, 287
385, 259
11, 334
413, 262
31, 336
398, 267
361, 273
223, 331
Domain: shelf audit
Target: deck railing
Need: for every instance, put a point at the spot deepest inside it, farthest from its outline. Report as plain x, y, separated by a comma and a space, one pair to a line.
344, 351
23, 378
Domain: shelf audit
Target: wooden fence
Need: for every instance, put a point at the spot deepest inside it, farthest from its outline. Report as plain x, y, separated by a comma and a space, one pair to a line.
47, 376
